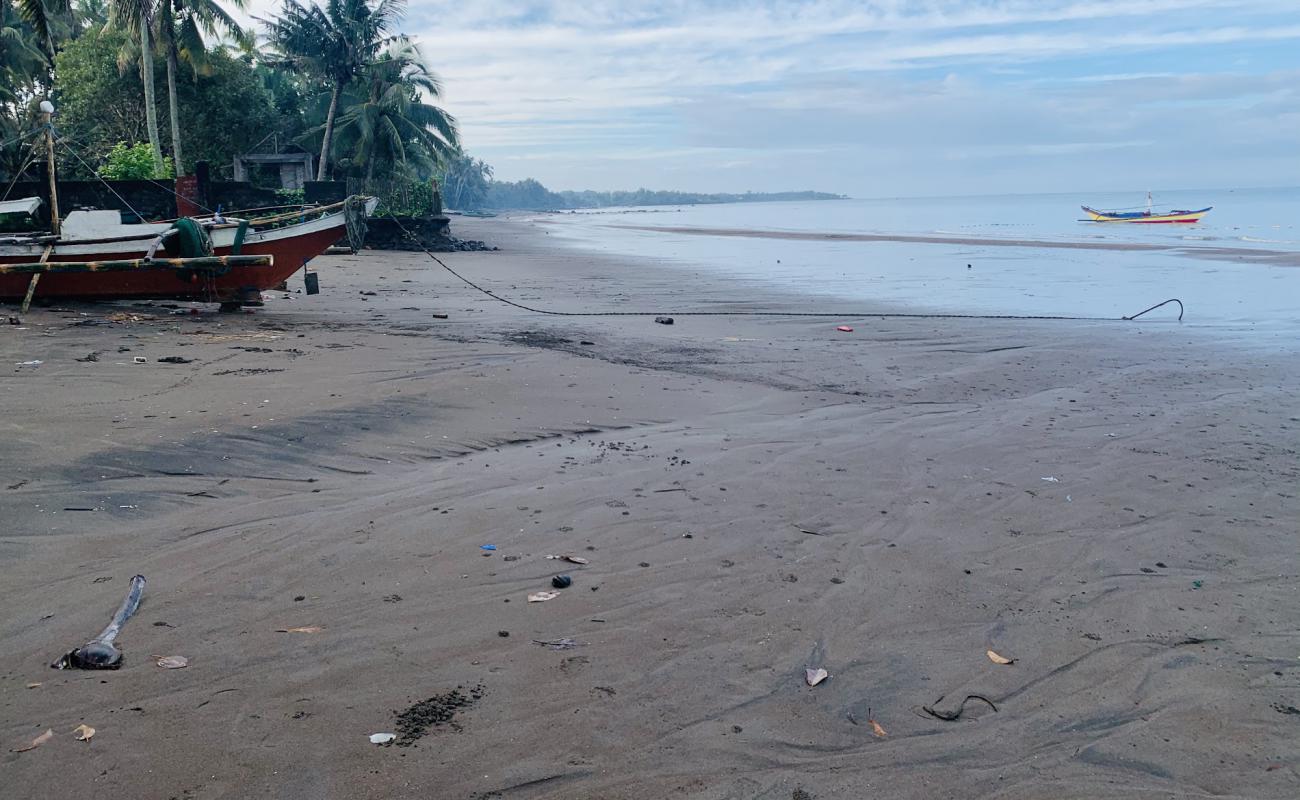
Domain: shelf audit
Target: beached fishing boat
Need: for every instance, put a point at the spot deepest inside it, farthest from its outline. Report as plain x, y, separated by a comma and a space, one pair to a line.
1147, 215
94, 255
291, 240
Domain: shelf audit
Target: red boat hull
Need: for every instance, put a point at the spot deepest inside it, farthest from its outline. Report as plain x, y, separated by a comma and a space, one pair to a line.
290, 253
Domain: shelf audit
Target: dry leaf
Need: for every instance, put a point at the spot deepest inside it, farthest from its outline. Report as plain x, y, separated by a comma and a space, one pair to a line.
303, 629
876, 729
38, 741
815, 676
172, 662
997, 659
84, 732
542, 597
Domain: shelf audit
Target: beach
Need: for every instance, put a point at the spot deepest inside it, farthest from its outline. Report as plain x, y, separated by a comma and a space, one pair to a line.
1111, 505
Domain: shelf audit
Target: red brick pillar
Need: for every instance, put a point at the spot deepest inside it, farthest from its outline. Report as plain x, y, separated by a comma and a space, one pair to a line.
187, 197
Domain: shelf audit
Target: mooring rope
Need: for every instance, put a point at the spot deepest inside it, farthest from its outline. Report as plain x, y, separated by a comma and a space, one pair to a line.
848, 315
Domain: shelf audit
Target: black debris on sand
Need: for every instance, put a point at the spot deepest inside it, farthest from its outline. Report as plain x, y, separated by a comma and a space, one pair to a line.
417, 720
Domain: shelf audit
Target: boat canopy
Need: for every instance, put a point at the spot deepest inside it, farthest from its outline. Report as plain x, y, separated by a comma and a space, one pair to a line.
25, 206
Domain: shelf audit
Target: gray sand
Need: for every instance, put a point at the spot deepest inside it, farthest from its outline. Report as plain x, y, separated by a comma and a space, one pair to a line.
1148, 594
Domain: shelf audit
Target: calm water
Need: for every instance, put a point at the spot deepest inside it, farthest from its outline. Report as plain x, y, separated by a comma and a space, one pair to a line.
1224, 293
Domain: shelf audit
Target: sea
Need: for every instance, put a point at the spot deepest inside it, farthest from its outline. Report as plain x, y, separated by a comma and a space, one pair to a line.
1237, 271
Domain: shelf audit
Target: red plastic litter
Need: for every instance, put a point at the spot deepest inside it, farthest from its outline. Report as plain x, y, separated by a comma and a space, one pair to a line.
844, 328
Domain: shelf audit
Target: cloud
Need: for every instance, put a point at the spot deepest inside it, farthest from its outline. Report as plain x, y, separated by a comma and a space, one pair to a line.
709, 94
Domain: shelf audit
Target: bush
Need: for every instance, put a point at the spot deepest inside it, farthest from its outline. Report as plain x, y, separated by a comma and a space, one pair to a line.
132, 163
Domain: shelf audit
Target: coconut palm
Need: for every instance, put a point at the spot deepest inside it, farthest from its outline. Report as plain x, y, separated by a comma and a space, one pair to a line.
387, 122
181, 25
37, 13
136, 18
335, 44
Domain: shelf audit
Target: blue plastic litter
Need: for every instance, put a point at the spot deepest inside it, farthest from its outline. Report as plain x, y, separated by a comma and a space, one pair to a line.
488, 546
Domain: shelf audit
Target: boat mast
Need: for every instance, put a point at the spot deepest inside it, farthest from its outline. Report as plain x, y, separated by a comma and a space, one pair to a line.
1148, 203
47, 110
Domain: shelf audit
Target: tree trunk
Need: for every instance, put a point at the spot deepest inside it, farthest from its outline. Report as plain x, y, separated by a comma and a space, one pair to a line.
172, 108
150, 106
329, 133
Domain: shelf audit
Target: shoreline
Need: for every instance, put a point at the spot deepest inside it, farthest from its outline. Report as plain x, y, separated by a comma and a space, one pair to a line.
339, 462
1213, 253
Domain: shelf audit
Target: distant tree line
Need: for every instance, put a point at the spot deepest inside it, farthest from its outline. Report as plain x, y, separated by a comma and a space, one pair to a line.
469, 186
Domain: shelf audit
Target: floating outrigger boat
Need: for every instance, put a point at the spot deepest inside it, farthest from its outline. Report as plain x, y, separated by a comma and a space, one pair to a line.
227, 260
1146, 216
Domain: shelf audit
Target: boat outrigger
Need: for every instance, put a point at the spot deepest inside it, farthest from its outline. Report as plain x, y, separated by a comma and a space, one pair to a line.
1148, 215
227, 260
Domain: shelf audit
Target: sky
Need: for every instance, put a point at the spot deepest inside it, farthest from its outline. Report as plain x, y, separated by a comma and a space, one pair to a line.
872, 98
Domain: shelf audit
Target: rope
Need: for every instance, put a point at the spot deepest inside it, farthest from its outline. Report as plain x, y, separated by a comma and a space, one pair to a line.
850, 314
92, 171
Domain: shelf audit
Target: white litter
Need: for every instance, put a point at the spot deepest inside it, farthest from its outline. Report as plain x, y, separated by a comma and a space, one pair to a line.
382, 738
1051, 479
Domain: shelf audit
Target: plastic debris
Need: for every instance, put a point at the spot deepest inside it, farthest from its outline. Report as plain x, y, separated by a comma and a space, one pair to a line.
172, 662
99, 653
1051, 479
140, 360
37, 742
815, 676
382, 738
561, 581
998, 659
542, 597
83, 732
664, 320
487, 547
301, 629
33, 363
844, 328
558, 644
570, 559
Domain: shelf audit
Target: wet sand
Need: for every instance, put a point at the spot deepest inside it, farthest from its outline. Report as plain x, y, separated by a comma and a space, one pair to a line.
754, 496
1251, 255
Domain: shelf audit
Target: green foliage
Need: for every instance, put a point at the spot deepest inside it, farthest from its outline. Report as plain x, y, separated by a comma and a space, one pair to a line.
291, 197
404, 198
464, 182
132, 163
531, 195
223, 112
387, 128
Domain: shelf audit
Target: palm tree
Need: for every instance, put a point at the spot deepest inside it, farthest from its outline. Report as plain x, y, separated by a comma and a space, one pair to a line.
39, 14
335, 44
135, 17
387, 121
181, 25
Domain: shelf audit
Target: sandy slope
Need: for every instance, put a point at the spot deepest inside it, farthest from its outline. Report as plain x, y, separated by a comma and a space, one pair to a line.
1148, 593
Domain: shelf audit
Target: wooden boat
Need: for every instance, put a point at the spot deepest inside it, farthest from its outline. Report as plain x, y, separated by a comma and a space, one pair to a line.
291, 240
1148, 215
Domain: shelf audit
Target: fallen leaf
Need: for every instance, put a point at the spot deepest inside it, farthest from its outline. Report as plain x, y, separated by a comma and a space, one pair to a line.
382, 738
84, 732
815, 676
172, 662
38, 741
303, 629
997, 659
542, 597
876, 729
